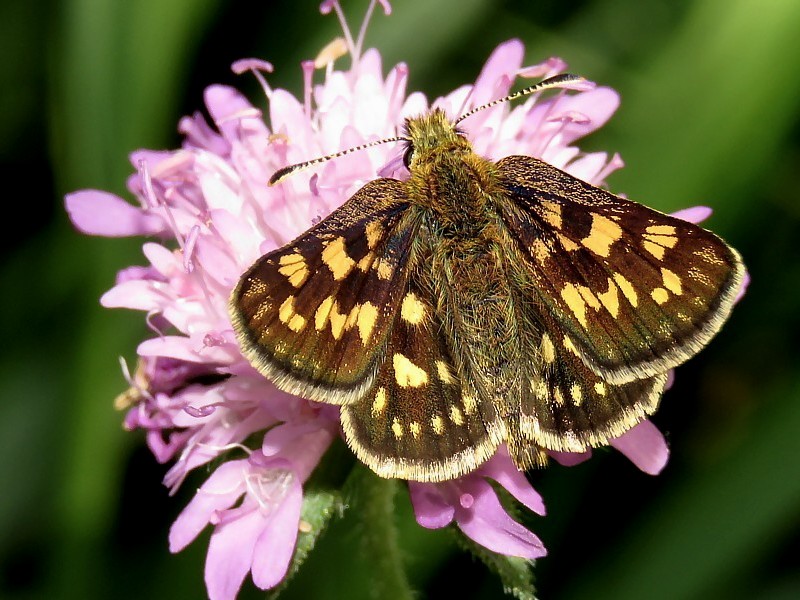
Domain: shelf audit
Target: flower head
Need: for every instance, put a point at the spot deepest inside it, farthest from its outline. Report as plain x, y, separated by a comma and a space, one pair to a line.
210, 214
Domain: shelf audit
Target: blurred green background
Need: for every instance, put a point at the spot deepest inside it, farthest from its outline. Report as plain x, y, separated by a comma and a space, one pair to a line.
710, 104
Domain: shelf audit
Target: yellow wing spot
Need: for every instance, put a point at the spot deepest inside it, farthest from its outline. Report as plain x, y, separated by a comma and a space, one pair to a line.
540, 389
415, 429
470, 404
548, 349
327, 311
540, 251
576, 393
610, 299
337, 320
654, 249
438, 425
574, 300
374, 231
384, 268
667, 241
569, 346
397, 429
660, 295
455, 415
406, 373
367, 318
297, 323
558, 397
286, 310
293, 266
660, 230
412, 310
290, 318
552, 214
336, 258
627, 289
567, 243
600, 388
589, 296
352, 316
322, 312
443, 370
671, 281
365, 263
602, 235
379, 403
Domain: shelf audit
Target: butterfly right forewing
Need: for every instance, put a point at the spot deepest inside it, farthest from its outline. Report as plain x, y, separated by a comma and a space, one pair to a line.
637, 291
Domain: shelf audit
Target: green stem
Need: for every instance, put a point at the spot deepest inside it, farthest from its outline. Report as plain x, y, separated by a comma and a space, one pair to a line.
372, 504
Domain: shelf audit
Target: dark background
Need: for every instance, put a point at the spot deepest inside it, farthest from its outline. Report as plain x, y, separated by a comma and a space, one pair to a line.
710, 96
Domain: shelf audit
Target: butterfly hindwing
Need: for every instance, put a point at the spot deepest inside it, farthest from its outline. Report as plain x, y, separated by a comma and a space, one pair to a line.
638, 292
314, 316
568, 408
421, 420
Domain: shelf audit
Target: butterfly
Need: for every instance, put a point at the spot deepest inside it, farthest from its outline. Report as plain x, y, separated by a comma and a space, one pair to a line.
480, 303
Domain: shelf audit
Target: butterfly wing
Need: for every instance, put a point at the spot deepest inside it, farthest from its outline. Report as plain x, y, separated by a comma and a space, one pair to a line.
568, 408
300, 312
421, 420
636, 291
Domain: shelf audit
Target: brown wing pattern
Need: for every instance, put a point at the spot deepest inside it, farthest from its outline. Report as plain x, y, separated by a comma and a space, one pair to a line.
300, 313
636, 291
421, 420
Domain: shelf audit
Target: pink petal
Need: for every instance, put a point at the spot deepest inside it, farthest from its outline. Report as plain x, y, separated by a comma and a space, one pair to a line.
645, 446
183, 348
136, 294
570, 459
502, 64
503, 471
489, 524
275, 546
695, 214
219, 492
101, 213
430, 508
230, 554
303, 443
743, 287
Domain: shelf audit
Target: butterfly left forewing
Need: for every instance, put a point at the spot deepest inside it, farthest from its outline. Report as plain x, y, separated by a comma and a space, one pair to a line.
638, 292
315, 315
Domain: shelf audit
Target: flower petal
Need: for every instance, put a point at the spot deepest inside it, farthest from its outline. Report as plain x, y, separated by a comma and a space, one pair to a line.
503, 471
487, 522
430, 507
230, 554
219, 491
645, 446
100, 213
275, 546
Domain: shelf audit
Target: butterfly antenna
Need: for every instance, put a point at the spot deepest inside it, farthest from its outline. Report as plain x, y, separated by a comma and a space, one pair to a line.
565, 80
285, 172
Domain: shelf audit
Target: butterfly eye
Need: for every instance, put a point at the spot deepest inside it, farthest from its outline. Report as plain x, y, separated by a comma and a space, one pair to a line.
407, 155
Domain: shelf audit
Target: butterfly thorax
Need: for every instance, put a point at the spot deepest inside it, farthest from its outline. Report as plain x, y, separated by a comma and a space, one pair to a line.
448, 178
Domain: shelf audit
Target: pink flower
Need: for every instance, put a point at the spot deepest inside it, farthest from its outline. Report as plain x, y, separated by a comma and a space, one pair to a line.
258, 535
472, 503
210, 214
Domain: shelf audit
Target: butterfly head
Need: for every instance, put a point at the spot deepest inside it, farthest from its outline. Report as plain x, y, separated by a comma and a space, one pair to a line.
431, 134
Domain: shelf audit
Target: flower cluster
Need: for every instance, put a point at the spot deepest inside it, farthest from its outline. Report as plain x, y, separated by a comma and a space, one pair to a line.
209, 213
